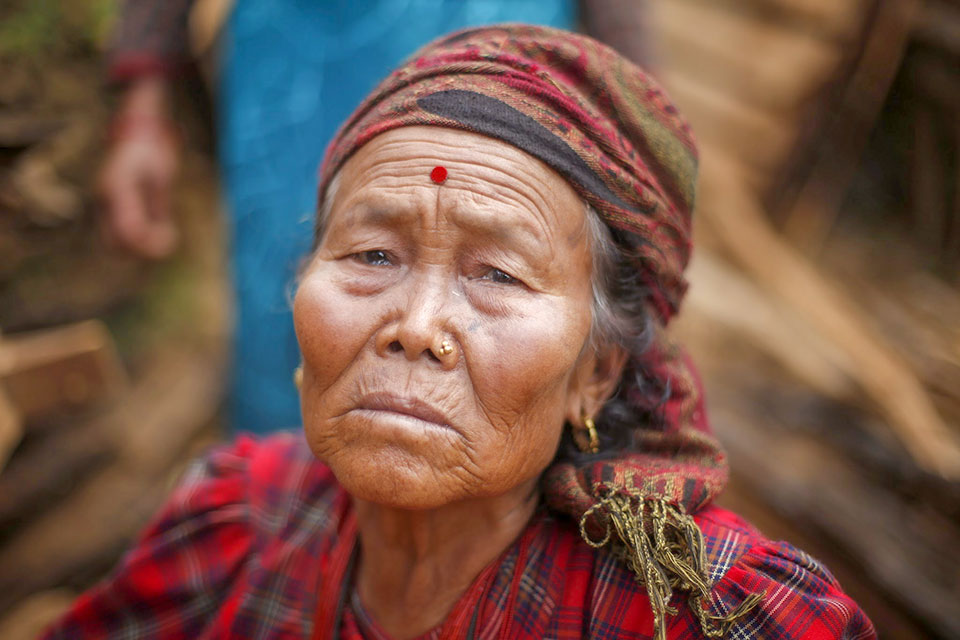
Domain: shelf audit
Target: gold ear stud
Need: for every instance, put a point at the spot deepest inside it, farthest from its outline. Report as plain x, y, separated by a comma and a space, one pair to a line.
298, 377
594, 445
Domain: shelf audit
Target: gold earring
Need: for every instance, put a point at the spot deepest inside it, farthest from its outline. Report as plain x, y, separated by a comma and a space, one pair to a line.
446, 348
298, 377
594, 445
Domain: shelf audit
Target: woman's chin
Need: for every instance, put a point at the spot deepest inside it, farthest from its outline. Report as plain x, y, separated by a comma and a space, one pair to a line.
394, 461
396, 480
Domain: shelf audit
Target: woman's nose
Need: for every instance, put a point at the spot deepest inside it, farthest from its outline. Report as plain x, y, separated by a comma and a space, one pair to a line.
421, 329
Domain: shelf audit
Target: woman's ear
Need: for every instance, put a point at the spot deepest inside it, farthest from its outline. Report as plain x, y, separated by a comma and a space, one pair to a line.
594, 381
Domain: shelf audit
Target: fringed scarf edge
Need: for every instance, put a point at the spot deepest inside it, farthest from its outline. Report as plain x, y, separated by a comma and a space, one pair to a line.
664, 548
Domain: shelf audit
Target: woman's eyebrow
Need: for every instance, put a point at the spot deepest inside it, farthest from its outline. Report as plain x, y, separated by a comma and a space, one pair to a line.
505, 227
499, 225
370, 214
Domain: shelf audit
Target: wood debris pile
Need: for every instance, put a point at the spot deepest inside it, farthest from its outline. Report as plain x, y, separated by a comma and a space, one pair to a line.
111, 370
831, 359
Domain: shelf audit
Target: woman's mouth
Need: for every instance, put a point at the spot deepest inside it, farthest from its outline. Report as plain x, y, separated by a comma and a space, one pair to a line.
405, 406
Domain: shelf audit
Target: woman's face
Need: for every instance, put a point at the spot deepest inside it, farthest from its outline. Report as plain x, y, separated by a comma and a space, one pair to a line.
492, 264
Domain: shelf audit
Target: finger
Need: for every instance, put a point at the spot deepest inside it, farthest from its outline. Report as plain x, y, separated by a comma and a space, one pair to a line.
126, 218
120, 210
105, 203
162, 237
160, 241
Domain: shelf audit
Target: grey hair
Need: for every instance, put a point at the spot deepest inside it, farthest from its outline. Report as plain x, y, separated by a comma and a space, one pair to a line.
608, 327
323, 211
620, 318
620, 314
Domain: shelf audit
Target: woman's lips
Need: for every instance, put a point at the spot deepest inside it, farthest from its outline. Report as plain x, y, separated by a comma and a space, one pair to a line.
413, 407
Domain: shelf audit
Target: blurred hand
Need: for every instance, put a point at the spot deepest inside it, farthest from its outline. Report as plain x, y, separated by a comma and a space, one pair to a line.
137, 177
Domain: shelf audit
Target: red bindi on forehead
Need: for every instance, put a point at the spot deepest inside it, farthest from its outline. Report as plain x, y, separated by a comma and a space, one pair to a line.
438, 175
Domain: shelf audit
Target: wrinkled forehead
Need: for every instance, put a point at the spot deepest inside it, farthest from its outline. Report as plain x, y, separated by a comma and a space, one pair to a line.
482, 176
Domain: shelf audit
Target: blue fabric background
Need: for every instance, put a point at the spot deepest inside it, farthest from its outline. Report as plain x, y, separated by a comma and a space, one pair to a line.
292, 71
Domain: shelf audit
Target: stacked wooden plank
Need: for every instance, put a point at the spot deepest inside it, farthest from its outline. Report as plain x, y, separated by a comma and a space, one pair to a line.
98, 451
53, 372
90, 440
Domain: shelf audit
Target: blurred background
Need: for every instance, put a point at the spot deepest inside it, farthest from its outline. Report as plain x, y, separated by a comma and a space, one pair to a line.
824, 309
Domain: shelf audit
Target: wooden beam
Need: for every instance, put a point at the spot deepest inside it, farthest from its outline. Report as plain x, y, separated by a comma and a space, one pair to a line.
53, 463
741, 226
773, 67
59, 370
938, 26
849, 124
164, 412
36, 613
748, 134
928, 174
11, 428
836, 20
722, 296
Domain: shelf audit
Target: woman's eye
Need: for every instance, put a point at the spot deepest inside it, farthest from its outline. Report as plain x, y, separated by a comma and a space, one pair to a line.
500, 277
375, 257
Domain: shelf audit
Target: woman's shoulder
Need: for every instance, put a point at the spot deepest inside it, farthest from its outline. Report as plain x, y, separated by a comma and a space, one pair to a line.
281, 471
801, 599
235, 513
265, 458
276, 480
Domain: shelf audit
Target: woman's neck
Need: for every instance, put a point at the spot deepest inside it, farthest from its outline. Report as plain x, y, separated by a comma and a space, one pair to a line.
415, 565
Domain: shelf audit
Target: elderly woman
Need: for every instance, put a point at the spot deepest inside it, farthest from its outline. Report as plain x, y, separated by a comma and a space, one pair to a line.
499, 441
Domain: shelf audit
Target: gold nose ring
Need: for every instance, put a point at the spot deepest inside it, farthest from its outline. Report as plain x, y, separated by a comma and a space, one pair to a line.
446, 348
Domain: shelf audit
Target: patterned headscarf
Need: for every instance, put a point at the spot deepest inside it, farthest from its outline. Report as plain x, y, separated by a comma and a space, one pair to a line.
611, 132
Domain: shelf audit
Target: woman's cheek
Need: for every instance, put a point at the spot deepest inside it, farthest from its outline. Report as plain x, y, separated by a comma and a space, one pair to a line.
329, 327
527, 358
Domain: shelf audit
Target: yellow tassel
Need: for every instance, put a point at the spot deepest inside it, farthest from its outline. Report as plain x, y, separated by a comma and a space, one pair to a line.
663, 546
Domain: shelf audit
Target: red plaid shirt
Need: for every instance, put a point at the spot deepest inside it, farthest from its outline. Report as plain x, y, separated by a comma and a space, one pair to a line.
242, 548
